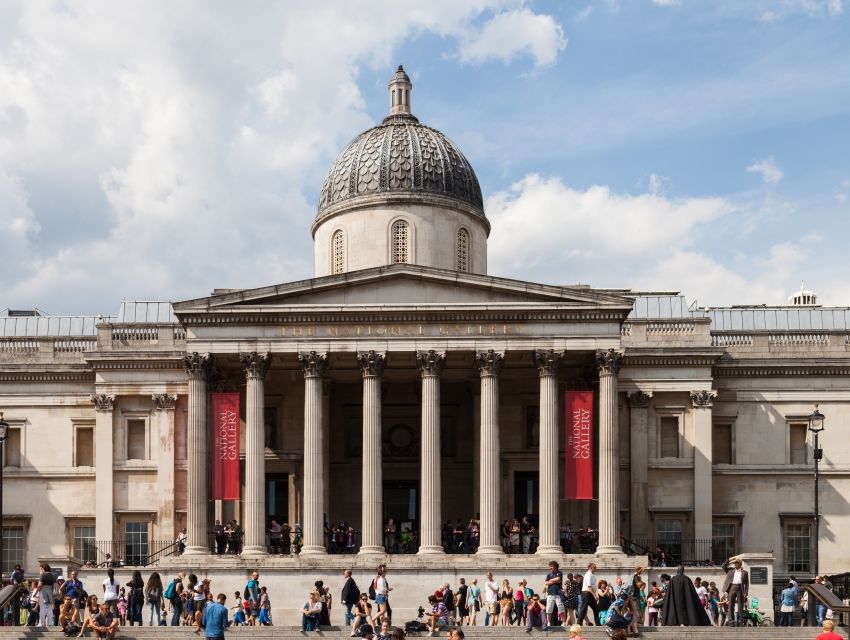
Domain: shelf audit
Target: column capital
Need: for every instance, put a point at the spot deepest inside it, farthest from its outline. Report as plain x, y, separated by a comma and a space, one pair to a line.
489, 362
638, 399
609, 362
103, 402
703, 398
313, 363
430, 362
371, 362
198, 366
548, 361
164, 401
256, 364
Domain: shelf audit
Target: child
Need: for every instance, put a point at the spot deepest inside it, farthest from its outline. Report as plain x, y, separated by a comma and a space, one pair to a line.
265, 608
238, 611
122, 607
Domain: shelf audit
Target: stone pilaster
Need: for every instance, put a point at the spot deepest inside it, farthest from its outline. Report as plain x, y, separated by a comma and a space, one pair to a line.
608, 363
489, 363
198, 368
313, 364
639, 450
165, 405
104, 513
372, 365
430, 364
256, 366
547, 362
702, 402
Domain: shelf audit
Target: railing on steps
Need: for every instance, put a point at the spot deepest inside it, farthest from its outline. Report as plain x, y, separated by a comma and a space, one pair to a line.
130, 552
689, 551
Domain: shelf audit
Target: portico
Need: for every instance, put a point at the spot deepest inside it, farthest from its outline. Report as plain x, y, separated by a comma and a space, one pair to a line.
367, 393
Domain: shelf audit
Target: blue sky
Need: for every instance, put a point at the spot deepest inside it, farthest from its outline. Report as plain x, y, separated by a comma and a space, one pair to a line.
148, 152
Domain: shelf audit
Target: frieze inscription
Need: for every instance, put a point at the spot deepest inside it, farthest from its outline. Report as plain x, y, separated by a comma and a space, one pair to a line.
400, 330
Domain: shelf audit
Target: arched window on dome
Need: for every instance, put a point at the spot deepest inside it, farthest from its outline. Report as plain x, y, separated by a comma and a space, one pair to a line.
338, 252
401, 242
462, 250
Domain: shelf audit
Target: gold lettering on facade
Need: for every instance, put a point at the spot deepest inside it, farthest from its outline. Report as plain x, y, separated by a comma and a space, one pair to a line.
400, 330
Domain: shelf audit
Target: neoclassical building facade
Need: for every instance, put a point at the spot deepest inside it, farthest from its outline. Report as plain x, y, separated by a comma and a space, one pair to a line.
403, 381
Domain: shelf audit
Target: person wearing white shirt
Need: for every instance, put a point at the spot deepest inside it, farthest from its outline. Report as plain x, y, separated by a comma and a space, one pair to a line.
491, 601
589, 596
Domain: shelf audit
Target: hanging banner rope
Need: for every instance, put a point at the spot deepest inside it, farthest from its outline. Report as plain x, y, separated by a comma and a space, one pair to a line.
578, 457
224, 452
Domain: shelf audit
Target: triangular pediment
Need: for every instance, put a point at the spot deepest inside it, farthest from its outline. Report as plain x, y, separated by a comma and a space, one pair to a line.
403, 286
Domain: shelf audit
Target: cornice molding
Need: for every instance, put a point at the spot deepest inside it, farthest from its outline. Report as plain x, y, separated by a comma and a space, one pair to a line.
764, 371
669, 361
47, 376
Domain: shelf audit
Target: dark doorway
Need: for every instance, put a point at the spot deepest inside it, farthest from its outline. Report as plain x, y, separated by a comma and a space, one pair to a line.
401, 503
526, 493
277, 497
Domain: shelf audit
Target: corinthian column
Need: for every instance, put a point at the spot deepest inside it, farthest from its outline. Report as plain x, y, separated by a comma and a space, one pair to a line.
198, 368
104, 513
609, 459
256, 365
547, 365
489, 363
430, 364
703, 480
372, 366
313, 365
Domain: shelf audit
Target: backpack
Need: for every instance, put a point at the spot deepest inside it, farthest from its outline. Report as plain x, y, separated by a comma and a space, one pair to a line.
137, 594
372, 593
415, 626
364, 630
170, 589
72, 631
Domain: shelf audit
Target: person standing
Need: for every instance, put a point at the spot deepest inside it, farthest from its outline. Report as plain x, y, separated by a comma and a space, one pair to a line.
737, 585
154, 598
382, 594
491, 601
214, 621
252, 596
462, 599
788, 599
820, 609
46, 597
17, 579
136, 597
350, 595
473, 602
589, 596
554, 591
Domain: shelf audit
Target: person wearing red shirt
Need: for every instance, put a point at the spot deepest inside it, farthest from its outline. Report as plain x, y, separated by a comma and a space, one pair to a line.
828, 632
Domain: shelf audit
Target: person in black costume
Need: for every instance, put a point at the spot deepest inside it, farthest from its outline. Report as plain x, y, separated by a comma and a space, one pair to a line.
681, 603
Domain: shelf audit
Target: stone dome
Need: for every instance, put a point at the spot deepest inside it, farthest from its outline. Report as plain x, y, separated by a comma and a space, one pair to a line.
400, 160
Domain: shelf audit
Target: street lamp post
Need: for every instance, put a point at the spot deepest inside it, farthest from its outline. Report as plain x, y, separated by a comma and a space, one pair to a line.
816, 425
4, 431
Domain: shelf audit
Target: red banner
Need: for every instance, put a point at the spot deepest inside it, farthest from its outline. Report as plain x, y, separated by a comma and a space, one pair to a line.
578, 460
225, 447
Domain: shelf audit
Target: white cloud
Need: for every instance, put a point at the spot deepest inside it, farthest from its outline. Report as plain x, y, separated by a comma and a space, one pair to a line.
646, 241
773, 10
658, 184
770, 173
512, 33
163, 150
667, 3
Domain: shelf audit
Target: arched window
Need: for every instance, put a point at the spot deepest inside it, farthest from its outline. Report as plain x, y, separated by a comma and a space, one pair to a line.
338, 252
401, 242
462, 250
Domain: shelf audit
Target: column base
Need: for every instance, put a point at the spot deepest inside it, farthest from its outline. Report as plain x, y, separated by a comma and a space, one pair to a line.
195, 551
549, 550
431, 550
371, 550
255, 550
491, 550
610, 550
313, 550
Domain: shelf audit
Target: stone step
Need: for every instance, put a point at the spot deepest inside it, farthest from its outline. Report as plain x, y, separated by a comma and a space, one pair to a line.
593, 633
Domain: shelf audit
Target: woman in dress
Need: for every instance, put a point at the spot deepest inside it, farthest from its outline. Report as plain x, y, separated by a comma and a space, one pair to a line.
572, 589
506, 603
473, 602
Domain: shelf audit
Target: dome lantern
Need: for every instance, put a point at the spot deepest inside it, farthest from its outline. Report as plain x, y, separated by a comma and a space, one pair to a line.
400, 87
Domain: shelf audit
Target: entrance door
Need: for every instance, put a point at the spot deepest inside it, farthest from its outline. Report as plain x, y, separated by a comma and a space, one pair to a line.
526, 494
277, 497
401, 503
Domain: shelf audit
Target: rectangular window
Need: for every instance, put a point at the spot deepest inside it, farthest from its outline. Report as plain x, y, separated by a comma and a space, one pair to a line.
135, 543
13, 548
797, 443
84, 544
723, 541
798, 547
136, 440
669, 535
84, 447
669, 429
721, 444
12, 447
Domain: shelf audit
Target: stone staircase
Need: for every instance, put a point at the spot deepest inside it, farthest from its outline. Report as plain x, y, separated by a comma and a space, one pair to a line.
476, 633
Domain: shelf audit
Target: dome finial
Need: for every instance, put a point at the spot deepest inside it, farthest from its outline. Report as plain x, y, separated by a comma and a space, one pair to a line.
400, 87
